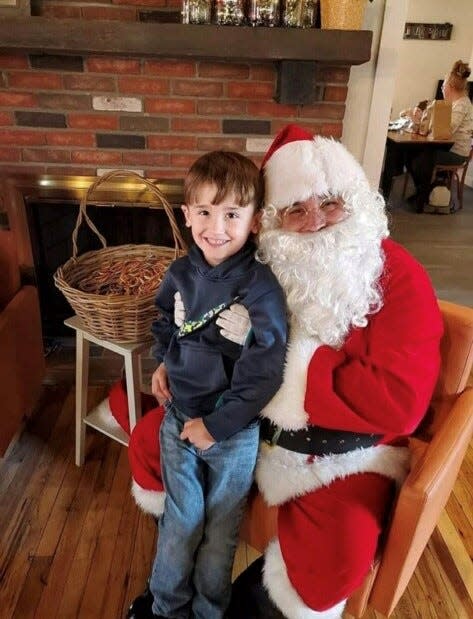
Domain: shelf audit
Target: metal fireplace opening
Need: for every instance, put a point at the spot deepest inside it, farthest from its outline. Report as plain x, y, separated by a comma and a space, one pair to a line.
42, 213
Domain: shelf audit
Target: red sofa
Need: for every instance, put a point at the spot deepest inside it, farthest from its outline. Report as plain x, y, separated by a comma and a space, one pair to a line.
22, 363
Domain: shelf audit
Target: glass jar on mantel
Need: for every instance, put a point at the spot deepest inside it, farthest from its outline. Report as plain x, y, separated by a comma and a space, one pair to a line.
263, 13
229, 13
196, 11
300, 13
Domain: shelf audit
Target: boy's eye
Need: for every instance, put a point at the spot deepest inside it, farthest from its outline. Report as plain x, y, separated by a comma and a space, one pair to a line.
204, 212
232, 215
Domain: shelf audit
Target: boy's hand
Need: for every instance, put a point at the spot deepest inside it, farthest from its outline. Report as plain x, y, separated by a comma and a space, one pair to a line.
160, 385
197, 434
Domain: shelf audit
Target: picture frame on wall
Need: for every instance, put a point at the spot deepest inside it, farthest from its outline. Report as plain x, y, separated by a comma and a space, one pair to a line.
432, 32
15, 8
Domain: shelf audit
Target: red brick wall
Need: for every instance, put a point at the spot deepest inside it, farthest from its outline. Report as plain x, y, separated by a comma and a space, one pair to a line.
76, 115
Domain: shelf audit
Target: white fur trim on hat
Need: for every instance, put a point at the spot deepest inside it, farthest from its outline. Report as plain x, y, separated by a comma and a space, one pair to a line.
304, 168
103, 415
282, 474
149, 501
284, 595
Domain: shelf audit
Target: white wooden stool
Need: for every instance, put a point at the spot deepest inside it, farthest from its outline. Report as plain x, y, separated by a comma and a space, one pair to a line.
132, 355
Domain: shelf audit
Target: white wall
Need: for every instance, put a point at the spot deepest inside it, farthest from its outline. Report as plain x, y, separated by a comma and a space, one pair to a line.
423, 63
360, 86
371, 87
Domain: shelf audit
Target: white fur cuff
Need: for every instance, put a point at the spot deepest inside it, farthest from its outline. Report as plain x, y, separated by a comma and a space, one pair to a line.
149, 501
284, 595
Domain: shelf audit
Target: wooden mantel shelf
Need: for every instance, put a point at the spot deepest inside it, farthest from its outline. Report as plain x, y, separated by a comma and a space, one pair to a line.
297, 51
76, 36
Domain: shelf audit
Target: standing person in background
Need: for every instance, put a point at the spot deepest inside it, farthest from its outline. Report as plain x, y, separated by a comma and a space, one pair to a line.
454, 89
213, 389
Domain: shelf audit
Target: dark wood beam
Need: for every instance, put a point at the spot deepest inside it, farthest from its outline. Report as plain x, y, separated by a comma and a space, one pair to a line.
75, 36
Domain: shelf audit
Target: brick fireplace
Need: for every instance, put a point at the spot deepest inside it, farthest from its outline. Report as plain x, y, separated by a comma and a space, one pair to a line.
64, 111
118, 84
79, 115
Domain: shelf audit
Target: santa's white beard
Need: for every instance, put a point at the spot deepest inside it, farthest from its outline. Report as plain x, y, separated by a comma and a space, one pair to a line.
330, 277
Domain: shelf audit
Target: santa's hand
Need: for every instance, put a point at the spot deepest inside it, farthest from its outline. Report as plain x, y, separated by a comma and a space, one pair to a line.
179, 311
235, 323
197, 434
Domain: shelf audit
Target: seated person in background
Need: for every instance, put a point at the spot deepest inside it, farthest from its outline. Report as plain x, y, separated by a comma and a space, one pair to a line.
213, 389
421, 168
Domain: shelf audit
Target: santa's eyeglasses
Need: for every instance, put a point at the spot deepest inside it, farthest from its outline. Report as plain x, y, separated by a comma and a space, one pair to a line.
332, 208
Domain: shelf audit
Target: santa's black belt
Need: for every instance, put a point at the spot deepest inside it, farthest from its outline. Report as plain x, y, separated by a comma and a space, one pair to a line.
315, 440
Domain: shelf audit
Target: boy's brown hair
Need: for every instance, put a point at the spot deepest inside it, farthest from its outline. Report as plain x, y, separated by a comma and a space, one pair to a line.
229, 172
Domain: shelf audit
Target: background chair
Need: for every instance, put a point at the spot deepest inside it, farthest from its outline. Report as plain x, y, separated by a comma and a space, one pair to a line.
437, 452
455, 173
22, 363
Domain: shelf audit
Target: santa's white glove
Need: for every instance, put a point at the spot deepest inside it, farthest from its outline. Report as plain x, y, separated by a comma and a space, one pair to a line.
179, 311
235, 323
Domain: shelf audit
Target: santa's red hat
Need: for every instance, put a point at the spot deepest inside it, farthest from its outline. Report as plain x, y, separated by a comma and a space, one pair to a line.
299, 165
118, 404
144, 457
143, 448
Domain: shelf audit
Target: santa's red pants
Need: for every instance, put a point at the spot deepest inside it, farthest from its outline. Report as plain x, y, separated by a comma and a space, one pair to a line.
329, 537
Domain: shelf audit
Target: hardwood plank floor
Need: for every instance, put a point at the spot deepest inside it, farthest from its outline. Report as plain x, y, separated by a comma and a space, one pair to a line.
74, 545
442, 243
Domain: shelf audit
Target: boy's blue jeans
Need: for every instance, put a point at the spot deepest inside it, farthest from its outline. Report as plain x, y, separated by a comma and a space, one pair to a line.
206, 494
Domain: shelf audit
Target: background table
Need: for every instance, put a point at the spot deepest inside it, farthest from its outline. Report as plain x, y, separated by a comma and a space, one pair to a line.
401, 147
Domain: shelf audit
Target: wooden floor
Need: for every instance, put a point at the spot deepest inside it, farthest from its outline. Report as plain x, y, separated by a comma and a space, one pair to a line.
73, 544
442, 243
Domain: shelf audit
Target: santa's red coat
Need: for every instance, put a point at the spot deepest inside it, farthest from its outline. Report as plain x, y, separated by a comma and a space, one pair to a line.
332, 507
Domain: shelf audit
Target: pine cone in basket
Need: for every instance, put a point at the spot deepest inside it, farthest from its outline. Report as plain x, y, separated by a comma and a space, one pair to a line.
125, 277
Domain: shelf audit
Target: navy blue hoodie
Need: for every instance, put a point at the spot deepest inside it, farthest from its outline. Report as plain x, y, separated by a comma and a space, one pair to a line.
210, 376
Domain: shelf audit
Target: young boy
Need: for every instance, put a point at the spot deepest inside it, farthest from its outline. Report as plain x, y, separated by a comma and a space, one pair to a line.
214, 388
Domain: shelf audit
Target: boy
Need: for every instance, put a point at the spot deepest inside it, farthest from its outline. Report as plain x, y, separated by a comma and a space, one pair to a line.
214, 388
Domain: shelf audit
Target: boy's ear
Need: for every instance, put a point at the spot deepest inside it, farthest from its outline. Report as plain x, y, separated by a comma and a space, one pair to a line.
255, 226
185, 210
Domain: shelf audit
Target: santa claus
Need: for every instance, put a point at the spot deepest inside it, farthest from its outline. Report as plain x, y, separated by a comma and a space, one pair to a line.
362, 362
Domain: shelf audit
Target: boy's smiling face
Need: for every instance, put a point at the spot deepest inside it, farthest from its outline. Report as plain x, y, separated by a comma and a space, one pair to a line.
219, 230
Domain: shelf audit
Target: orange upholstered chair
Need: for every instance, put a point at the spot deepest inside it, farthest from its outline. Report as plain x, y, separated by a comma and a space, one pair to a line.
21, 348
437, 454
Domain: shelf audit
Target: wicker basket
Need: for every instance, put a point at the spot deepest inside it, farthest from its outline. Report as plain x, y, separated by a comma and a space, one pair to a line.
114, 317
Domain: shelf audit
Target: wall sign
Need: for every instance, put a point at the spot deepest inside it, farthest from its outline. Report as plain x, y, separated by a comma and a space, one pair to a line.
438, 32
